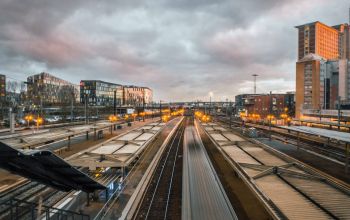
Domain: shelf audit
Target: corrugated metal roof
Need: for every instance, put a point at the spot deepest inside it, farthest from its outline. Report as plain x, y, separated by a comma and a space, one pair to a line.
118, 151
288, 200
293, 189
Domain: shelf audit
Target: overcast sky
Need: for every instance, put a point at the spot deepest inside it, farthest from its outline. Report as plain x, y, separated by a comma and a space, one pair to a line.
182, 49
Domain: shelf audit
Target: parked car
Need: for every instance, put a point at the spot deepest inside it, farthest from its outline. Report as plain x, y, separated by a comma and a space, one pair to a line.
22, 122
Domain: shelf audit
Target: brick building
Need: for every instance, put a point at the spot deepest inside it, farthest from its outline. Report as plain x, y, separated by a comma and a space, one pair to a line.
265, 104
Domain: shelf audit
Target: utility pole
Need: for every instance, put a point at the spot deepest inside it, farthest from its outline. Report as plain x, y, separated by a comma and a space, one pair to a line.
71, 111
270, 113
86, 116
72, 107
143, 104
227, 107
12, 120
255, 75
209, 105
231, 112
160, 109
115, 103
41, 105
339, 112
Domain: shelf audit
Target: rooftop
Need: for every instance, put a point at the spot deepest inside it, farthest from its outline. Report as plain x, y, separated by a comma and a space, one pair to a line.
47, 168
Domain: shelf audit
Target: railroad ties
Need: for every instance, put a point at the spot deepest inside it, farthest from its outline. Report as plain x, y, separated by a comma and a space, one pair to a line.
161, 199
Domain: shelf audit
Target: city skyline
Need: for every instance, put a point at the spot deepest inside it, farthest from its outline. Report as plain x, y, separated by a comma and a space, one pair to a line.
184, 51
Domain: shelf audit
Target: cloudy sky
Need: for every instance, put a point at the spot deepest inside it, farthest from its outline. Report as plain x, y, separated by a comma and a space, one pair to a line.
182, 49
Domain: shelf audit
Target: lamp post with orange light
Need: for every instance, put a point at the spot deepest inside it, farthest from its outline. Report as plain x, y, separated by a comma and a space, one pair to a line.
142, 114
270, 117
28, 118
39, 121
112, 119
134, 116
284, 116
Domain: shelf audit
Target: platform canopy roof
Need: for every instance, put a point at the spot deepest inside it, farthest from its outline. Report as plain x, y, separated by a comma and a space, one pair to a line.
47, 168
331, 134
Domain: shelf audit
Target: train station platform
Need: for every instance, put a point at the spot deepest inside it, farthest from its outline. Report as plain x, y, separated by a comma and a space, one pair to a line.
337, 135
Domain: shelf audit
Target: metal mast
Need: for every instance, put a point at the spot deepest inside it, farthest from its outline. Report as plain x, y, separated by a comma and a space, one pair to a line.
255, 75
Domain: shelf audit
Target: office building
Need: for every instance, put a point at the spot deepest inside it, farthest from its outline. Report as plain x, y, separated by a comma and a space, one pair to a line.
322, 69
344, 40
46, 89
137, 96
100, 93
318, 38
319, 83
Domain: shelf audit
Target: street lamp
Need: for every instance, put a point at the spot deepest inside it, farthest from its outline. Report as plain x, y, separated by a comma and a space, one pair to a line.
284, 116
134, 116
39, 121
28, 118
112, 118
270, 117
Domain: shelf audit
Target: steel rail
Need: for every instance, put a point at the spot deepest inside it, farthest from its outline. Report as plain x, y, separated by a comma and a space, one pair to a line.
178, 134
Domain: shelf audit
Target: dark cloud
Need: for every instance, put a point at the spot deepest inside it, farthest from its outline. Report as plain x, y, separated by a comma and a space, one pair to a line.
182, 49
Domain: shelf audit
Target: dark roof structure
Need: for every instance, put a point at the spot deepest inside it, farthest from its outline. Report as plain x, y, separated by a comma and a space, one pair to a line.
47, 168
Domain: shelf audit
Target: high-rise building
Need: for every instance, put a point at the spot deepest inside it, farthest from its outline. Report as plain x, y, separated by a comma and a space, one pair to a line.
319, 83
100, 93
344, 40
318, 38
46, 89
2, 88
322, 69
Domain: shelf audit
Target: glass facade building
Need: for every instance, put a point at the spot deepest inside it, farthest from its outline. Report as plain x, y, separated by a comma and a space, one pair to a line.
100, 93
49, 90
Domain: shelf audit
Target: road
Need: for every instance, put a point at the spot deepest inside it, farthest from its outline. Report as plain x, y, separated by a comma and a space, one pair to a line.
203, 195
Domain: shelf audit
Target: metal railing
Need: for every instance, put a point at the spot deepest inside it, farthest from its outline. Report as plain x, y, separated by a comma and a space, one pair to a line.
19, 209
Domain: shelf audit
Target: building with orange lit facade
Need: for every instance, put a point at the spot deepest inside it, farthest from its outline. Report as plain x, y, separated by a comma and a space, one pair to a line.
323, 68
318, 38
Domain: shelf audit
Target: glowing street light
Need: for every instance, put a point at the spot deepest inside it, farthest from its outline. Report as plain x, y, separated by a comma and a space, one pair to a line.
112, 118
39, 121
28, 118
134, 116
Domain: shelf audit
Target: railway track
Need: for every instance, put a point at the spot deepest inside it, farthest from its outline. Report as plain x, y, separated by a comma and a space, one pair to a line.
161, 199
31, 192
36, 193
